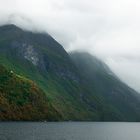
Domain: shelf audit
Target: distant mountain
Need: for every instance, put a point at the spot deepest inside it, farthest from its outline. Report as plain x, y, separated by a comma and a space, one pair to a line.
78, 86
104, 83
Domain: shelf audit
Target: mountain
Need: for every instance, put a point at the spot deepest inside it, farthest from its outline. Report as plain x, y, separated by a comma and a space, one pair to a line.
40, 58
22, 99
103, 82
78, 86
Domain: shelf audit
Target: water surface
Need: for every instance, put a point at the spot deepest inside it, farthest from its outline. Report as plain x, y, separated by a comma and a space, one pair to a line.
69, 131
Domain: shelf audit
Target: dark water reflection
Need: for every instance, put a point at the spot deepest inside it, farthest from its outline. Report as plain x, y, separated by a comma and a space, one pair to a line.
69, 131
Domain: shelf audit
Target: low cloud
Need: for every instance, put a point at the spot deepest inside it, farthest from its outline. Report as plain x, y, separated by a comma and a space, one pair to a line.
109, 29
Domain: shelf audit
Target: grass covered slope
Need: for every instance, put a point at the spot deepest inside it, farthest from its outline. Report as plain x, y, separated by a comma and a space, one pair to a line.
22, 99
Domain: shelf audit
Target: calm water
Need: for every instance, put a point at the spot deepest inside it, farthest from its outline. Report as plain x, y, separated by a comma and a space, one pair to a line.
70, 131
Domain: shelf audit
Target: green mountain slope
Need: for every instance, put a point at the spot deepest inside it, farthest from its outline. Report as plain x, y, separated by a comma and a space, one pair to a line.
21, 99
117, 95
75, 92
40, 58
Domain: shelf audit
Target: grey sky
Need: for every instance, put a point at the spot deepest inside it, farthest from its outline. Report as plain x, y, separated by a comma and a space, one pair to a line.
110, 29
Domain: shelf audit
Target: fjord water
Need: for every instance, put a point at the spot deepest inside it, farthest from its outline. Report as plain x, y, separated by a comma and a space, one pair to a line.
69, 131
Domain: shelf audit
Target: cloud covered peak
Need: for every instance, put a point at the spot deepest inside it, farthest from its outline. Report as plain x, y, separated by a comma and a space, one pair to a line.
109, 29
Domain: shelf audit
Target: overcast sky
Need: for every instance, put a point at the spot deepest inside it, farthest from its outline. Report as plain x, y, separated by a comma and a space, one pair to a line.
110, 29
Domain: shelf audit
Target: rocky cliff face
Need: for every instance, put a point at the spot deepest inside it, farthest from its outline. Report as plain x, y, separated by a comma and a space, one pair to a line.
39, 49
